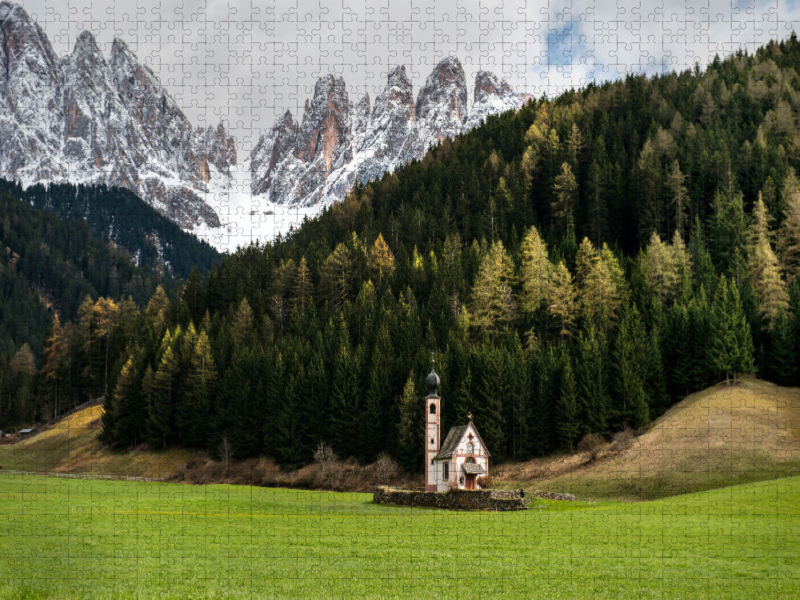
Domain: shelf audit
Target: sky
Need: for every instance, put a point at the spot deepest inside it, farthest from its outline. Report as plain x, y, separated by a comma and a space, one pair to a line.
245, 62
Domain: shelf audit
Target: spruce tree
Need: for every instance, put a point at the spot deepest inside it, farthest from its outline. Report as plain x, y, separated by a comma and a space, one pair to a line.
161, 419
783, 363
731, 345
630, 352
410, 433
488, 398
592, 371
567, 409
199, 388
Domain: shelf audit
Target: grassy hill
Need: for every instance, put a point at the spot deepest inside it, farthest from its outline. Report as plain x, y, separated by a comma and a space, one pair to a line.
71, 446
719, 437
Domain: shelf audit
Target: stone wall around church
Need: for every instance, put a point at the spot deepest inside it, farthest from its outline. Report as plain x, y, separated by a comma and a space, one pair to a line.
452, 500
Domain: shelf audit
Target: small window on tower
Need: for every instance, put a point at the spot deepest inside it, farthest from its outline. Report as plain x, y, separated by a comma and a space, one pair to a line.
433, 408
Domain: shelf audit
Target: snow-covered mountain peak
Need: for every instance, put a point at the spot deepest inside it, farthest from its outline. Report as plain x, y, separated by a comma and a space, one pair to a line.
90, 119
360, 146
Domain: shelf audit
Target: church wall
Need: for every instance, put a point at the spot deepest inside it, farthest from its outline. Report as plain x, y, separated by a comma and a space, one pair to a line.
453, 500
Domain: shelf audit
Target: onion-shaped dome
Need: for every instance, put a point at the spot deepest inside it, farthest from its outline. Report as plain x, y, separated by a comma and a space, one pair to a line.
432, 381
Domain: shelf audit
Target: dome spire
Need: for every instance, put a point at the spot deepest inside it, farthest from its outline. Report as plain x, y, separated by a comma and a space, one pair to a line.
432, 381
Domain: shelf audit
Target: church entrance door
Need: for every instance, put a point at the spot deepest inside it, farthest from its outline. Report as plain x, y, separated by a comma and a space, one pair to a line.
470, 483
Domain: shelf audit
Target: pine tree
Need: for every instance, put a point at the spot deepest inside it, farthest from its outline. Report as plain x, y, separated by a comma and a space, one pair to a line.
677, 343
336, 276
597, 289
493, 304
380, 262
598, 207
728, 232
157, 308
783, 363
764, 269
535, 271
117, 427
592, 372
56, 353
679, 197
199, 389
289, 425
410, 434
567, 410
161, 423
731, 345
303, 287
452, 271
574, 145
517, 399
661, 270
630, 351
346, 398
789, 236
561, 298
489, 398
565, 192
242, 326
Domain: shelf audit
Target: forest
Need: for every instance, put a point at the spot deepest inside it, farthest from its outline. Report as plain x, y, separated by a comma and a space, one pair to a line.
120, 216
573, 267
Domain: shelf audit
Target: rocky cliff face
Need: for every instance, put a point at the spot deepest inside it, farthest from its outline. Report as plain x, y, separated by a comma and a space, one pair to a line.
360, 145
88, 119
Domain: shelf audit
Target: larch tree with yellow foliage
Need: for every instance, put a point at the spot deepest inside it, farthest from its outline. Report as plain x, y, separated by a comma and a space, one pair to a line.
493, 304
380, 261
764, 268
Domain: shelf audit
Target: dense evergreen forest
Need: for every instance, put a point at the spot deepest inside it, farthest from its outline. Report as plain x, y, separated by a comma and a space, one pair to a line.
52, 270
574, 267
120, 216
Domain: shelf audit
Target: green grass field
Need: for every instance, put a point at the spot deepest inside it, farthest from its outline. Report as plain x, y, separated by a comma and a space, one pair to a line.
114, 539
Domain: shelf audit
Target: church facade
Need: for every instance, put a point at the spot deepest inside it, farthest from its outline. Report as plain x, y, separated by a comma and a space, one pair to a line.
461, 459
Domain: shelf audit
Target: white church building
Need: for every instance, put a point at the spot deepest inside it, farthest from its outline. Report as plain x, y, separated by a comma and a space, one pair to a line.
463, 456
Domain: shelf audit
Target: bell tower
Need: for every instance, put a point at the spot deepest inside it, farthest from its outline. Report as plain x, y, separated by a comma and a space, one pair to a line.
432, 429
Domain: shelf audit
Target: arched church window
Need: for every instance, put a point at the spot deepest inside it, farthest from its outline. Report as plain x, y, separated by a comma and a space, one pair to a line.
470, 448
433, 408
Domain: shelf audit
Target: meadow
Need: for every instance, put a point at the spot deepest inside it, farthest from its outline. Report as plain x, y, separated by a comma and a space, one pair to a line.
73, 538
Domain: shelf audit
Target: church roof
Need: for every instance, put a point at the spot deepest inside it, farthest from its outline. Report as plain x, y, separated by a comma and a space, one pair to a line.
451, 441
454, 437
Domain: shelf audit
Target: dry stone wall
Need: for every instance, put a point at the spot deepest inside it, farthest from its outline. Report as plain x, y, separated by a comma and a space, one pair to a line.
453, 500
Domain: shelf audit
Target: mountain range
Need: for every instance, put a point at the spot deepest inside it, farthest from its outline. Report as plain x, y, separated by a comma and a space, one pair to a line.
85, 118
338, 143
88, 118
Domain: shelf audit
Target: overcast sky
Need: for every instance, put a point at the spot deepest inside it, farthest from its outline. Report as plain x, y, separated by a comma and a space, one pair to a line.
247, 61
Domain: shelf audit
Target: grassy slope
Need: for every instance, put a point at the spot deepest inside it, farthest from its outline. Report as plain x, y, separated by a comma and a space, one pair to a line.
104, 539
719, 437
71, 446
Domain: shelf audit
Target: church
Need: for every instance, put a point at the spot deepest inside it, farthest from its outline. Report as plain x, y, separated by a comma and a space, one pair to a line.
463, 456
